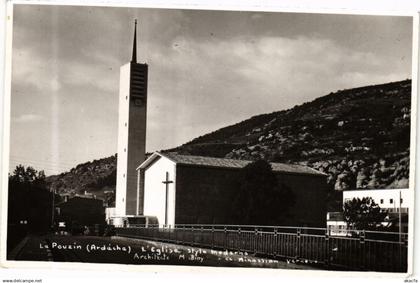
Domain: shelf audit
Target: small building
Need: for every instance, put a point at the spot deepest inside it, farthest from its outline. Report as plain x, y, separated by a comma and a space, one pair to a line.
336, 224
109, 214
394, 201
186, 189
80, 211
86, 194
390, 200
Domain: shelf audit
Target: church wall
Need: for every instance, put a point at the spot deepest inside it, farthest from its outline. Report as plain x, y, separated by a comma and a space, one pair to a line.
310, 199
155, 190
204, 196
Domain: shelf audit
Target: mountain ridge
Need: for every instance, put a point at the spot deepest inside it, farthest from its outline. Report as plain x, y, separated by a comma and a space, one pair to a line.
359, 137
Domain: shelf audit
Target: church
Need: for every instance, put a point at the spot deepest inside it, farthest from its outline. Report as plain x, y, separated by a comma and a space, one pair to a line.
187, 189
183, 189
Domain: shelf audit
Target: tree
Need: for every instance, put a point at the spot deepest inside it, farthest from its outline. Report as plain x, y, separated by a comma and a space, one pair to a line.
109, 198
27, 175
29, 199
260, 199
363, 214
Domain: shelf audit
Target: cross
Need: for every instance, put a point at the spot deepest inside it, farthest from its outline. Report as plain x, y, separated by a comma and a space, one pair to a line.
166, 182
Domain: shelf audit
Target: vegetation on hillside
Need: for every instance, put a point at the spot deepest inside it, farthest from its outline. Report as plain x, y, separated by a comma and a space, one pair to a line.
359, 137
97, 177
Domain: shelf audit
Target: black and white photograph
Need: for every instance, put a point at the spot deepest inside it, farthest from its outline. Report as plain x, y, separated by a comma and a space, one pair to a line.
210, 138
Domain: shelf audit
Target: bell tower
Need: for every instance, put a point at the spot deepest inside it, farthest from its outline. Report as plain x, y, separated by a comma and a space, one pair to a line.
131, 133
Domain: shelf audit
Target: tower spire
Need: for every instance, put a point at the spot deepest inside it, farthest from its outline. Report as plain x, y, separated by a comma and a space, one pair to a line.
134, 57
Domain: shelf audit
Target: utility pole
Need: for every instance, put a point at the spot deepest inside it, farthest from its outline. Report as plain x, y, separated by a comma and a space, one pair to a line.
399, 218
400, 230
53, 209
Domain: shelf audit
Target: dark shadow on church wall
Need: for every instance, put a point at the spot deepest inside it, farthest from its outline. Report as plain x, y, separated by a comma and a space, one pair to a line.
205, 195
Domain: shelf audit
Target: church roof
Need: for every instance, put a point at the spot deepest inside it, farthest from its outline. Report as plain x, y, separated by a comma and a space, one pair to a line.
205, 161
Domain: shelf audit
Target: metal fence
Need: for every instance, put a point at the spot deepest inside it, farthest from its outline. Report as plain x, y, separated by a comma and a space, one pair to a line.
363, 250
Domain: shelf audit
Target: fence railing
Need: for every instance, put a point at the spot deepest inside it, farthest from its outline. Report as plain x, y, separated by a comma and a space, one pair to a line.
363, 250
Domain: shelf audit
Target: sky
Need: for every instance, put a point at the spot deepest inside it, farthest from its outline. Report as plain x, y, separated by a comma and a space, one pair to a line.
207, 70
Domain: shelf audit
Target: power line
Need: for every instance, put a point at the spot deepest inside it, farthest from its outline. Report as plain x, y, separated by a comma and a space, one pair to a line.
54, 169
60, 160
26, 156
57, 167
40, 167
40, 162
29, 159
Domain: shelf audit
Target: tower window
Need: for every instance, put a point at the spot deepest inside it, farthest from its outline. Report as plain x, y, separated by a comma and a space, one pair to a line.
401, 200
126, 97
125, 149
123, 175
382, 201
125, 124
391, 200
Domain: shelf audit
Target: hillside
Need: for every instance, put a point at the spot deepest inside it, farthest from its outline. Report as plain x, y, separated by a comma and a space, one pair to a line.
359, 137
97, 177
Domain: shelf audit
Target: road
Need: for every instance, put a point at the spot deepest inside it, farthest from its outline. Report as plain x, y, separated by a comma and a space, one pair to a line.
133, 251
